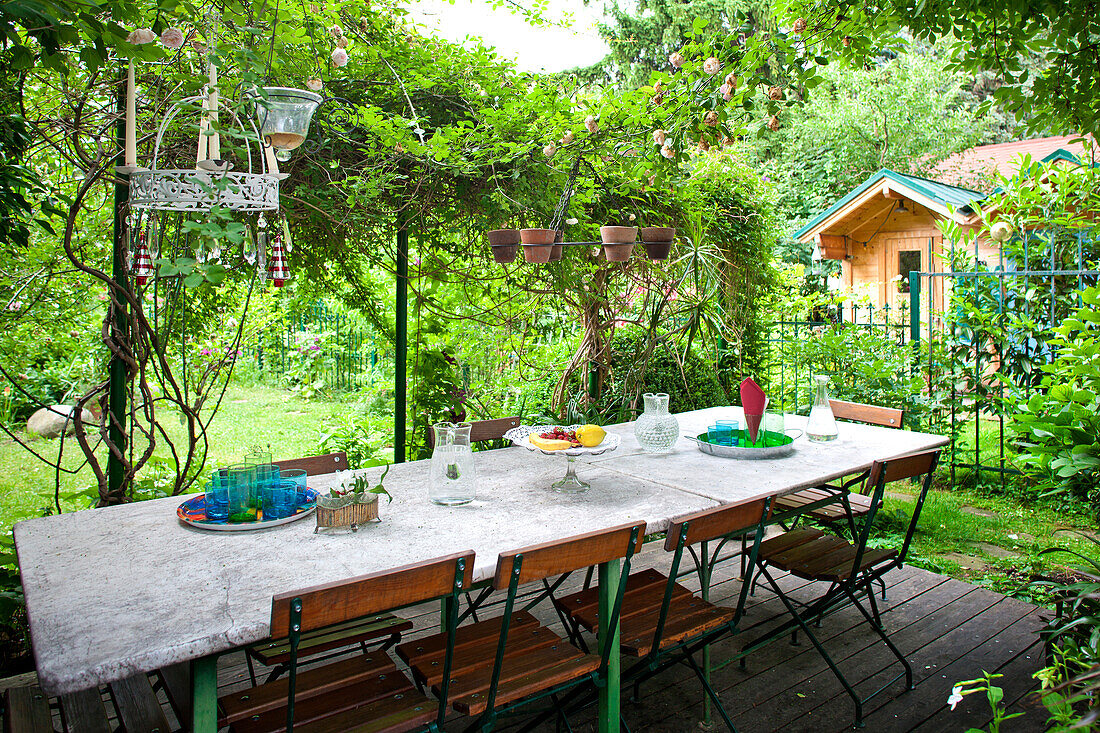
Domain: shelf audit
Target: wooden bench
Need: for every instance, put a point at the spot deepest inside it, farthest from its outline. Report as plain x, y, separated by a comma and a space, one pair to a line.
134, 706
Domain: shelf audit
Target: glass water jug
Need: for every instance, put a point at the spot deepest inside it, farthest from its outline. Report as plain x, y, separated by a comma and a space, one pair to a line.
656, 430
821, 426
453, 478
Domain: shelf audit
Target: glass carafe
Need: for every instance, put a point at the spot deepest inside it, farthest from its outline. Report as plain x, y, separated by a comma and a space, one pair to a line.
821, 426
656, 430
453, 478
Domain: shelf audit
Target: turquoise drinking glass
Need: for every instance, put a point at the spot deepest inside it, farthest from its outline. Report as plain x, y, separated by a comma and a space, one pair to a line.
719, 434
280, 499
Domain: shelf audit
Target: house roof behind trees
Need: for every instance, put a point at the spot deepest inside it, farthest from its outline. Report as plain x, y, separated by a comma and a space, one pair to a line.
979, 167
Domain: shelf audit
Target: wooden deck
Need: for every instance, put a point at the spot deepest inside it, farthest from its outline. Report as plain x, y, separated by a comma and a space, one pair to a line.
949, 630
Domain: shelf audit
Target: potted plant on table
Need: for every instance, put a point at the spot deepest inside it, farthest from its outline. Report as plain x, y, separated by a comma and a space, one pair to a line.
352, 504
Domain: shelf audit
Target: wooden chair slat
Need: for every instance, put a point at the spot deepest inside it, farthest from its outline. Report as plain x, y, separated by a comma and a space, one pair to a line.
522, 642
137, 705
709, 524
28, 711
780, 543
277, 651
526, 675
887, 417
315, 682
83, 712
562, 556
324, 605
317, 465
430, 647
687, 617
343, 709
898, 469
481, 430
645, 590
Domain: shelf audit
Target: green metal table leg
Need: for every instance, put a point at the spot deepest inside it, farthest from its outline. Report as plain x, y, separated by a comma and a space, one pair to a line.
204, 695
609, 694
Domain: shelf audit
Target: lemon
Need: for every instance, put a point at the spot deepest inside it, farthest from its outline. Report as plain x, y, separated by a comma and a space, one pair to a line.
590, 435
549, 443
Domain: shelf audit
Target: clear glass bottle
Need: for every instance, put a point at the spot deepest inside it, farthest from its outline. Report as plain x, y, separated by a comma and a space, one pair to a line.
821, 426
453, 479
656, 430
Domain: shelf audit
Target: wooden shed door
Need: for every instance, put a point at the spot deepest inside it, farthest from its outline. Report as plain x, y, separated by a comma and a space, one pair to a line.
904, 252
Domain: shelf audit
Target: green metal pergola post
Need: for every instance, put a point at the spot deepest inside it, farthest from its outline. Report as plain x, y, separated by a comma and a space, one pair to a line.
116, 392
401, 345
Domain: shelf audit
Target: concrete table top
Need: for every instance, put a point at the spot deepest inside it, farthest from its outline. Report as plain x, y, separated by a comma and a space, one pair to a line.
688, 469
115, 591
119, 590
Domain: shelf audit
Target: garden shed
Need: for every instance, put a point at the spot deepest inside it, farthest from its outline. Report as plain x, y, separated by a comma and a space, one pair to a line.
888, 226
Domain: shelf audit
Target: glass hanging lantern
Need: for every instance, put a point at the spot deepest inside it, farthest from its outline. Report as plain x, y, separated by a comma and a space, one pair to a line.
284, 115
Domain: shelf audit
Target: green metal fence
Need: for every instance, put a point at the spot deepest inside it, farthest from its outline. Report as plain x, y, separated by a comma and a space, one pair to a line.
790, 372
319, 348
992, 339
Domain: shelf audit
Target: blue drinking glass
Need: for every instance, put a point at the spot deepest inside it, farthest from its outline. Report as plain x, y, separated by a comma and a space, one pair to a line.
735, 430
297, 475
280, 499
217, 501
719, 434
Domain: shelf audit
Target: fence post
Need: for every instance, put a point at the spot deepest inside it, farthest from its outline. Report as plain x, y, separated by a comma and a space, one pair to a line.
914, 306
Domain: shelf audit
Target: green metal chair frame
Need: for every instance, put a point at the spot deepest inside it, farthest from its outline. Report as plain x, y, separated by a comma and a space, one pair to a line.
845, 588
574, 688
406, 595
721, 525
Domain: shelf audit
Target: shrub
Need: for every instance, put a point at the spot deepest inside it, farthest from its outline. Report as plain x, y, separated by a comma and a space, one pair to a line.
1057, 429
691, 383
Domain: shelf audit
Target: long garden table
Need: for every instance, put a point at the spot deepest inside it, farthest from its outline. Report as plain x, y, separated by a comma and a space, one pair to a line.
128, 589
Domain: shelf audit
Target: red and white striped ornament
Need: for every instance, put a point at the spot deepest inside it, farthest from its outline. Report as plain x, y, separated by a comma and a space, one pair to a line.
278, 269
141, 264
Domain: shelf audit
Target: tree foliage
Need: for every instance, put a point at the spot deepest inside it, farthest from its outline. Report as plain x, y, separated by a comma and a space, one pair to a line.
1003, 37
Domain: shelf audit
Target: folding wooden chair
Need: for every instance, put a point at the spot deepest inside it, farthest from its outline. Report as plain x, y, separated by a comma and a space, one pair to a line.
383, 629
848, 567
366, 693
830, 503
662, 622
504, 663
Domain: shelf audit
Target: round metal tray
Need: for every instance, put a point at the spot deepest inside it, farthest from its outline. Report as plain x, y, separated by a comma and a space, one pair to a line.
193, 512
747, 453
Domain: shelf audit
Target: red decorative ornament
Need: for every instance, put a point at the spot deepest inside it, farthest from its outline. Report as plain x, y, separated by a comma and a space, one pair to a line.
142, 265
278, 268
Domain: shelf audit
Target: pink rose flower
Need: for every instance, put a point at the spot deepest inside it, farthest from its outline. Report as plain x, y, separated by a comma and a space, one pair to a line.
549, 150
315, 84
567, 137
676, 59
172, 38
591, 124
340, 57
141, 36
667, 151
711, 118
712, 66
659, 136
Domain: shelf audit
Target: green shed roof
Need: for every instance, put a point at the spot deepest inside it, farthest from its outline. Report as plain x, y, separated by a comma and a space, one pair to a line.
954, 196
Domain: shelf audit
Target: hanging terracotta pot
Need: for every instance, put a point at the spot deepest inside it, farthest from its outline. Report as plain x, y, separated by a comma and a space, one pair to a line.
618, 242
558, 249
658, 241
537, 244
505, 244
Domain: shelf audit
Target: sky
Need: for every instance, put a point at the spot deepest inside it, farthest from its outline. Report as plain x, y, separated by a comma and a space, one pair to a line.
533, 49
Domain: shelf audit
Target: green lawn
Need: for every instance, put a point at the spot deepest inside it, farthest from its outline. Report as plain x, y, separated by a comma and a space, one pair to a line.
249, 415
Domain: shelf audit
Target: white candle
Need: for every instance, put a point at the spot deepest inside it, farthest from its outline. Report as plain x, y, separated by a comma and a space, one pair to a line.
131, 118
214, 144
272, 161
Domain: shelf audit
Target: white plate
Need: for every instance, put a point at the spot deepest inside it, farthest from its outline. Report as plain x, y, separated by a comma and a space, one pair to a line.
521, 436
